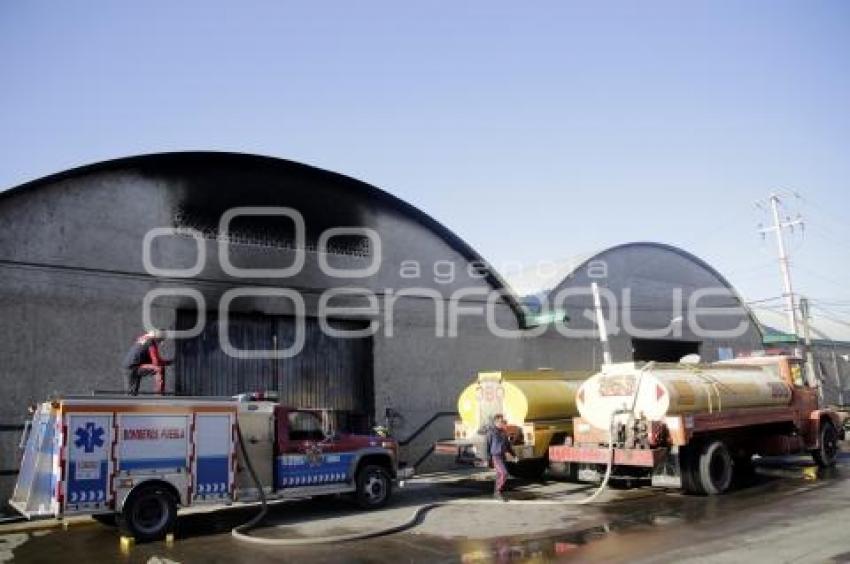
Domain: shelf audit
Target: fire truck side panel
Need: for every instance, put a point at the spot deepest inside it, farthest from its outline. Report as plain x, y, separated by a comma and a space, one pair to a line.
106, 448
88, 462
153, 444
257, 423
214, 456
142, 455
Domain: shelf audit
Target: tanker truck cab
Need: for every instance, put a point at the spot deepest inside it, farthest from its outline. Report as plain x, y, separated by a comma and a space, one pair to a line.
697, 425
538, 406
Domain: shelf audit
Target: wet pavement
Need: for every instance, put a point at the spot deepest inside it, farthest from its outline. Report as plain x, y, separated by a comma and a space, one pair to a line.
768, 520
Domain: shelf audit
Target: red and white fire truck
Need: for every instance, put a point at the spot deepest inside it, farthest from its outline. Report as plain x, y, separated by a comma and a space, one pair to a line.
138, 459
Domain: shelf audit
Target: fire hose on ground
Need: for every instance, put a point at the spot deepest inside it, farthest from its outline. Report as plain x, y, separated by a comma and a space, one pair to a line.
241, 532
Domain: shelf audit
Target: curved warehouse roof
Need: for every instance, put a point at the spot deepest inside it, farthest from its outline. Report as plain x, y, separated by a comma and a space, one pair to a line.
542, 279
190, 162
650, 268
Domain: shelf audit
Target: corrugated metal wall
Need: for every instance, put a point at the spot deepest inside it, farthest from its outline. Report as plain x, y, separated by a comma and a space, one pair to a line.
329, 373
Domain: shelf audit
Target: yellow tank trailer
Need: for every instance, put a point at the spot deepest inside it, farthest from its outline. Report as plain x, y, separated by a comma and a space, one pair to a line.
538, 406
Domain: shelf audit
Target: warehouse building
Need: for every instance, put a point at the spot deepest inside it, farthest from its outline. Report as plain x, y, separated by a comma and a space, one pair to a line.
279, 276
86, 252
660, 303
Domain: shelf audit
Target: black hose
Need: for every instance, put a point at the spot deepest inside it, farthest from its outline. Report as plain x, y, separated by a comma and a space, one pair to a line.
264, 506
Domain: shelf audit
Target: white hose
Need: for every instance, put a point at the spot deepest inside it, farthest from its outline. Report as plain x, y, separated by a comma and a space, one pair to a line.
609, 468
241, 532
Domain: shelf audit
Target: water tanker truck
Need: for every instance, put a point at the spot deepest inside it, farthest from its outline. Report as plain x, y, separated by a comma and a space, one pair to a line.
538, 406
696, 425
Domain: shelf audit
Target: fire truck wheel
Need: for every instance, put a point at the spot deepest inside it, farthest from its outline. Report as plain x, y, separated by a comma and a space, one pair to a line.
715, 468
827, 452
373, 487
149, 513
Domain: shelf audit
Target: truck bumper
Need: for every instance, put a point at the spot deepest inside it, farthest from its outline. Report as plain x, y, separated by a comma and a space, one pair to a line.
452, 447
466, 452
647, 458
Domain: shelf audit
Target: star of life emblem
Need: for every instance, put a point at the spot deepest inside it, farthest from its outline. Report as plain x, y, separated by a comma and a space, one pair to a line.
313, 454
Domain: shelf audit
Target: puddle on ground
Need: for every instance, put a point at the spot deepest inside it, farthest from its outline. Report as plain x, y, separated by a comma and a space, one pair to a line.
628, 516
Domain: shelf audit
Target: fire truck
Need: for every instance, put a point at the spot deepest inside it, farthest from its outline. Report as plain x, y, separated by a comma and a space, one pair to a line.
697, 425
135, 460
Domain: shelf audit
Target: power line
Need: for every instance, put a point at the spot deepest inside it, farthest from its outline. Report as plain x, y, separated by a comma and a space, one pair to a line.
828, 214
763, 300
821, 233
832, 304
829, 315
816, 274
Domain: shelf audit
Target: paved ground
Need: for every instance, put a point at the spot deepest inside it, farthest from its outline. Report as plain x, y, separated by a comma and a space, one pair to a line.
770, 520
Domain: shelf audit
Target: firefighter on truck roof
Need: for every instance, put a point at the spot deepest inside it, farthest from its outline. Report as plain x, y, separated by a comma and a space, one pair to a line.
144, 359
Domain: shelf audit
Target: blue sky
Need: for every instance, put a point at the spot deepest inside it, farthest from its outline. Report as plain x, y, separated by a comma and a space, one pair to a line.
535, 131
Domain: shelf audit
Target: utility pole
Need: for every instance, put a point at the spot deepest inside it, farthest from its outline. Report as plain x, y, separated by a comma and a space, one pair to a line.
777, 227
810, 359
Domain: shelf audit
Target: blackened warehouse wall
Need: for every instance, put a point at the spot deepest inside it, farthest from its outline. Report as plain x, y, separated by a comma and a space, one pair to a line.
73, 281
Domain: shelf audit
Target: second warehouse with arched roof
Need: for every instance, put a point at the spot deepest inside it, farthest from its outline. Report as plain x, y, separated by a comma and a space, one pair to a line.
660, 302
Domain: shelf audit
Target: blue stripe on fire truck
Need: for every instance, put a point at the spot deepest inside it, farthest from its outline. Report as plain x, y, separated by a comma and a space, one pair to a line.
301, 470
152, 464
87, 490
213, 475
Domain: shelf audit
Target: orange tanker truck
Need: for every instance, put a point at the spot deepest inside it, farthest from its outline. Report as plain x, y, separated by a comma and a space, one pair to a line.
696, 424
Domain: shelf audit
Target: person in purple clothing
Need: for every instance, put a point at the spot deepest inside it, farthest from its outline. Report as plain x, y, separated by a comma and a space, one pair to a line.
498, 449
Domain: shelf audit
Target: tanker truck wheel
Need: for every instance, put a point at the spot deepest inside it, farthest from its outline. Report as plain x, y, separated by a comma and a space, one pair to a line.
689, 470
564, 471
715, 468
827, 453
